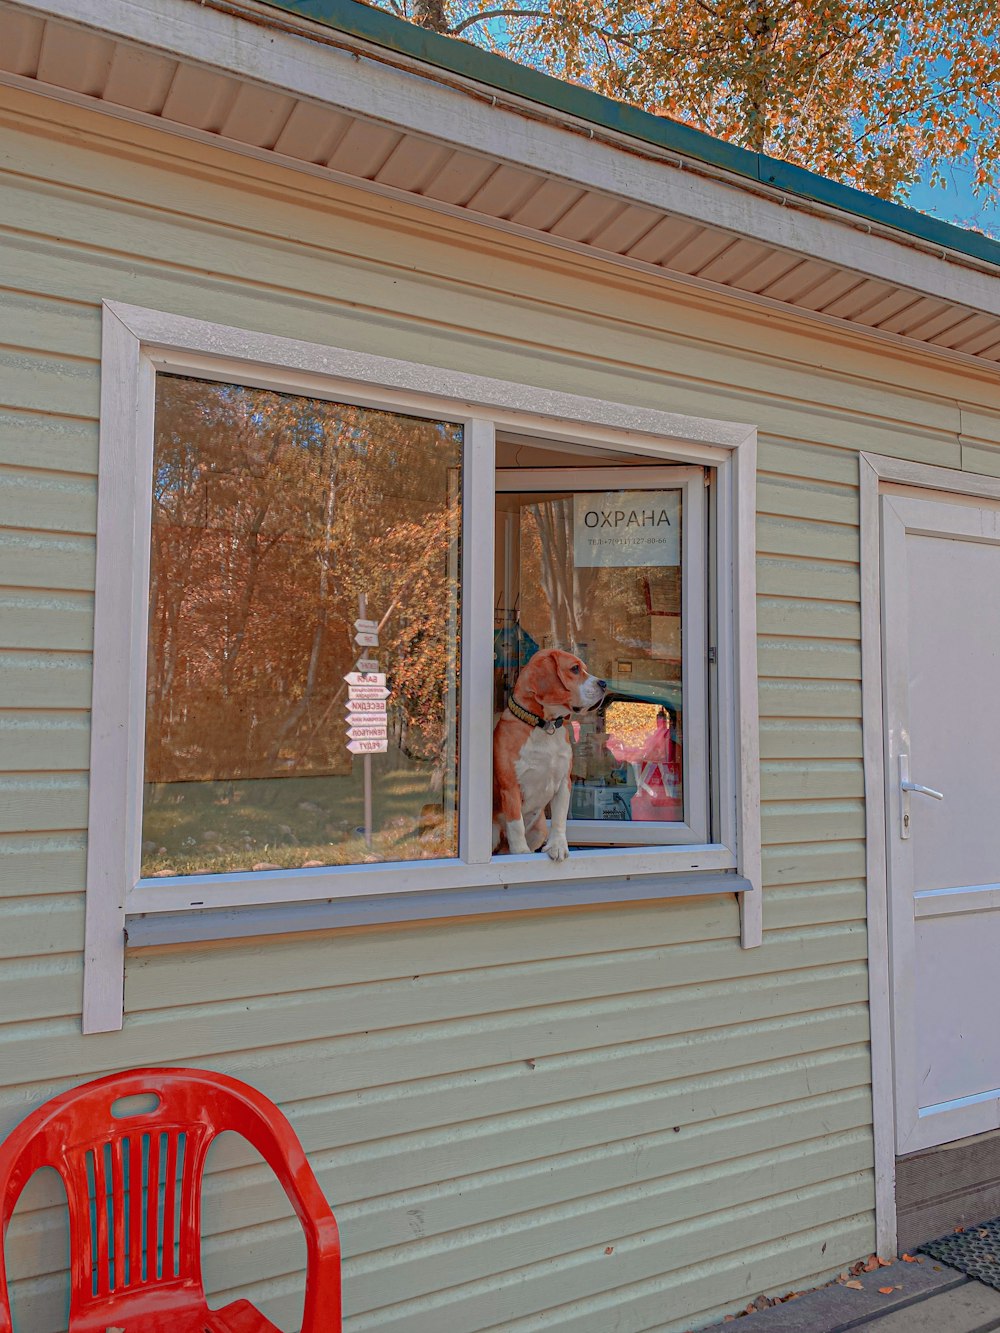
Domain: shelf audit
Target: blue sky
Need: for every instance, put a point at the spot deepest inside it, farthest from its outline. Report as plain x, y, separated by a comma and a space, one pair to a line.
956, 203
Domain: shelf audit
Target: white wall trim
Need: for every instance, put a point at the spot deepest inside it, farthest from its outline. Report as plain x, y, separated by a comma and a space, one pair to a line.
137, 343
878, 472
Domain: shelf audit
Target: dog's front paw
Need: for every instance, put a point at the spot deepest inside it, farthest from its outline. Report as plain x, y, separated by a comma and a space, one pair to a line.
557, 847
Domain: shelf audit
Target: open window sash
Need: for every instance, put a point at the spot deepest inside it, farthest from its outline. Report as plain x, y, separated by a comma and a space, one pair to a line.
603, 543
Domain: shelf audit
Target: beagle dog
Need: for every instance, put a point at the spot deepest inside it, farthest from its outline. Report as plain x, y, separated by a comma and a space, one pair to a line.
532, 752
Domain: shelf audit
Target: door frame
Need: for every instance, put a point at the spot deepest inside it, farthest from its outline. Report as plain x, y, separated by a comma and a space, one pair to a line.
877, 472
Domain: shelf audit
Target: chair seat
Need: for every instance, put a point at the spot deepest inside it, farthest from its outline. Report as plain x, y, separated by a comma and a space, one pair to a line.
194, 1316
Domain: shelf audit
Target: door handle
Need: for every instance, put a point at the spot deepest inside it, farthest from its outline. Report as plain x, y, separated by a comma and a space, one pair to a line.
905, 787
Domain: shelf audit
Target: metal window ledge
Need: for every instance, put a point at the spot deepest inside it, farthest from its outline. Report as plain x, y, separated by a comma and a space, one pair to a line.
184, 927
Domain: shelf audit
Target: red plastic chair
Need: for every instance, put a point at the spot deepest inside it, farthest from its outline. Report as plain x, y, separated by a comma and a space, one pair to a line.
133, 1185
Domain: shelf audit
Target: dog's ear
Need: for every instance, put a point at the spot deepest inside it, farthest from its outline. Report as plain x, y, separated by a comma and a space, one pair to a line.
539, 682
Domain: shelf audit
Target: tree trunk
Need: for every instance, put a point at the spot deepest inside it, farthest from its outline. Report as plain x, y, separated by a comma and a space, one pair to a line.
431, 14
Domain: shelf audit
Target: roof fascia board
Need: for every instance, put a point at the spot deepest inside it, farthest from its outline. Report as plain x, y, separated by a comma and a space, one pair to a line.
336, 77
496, 71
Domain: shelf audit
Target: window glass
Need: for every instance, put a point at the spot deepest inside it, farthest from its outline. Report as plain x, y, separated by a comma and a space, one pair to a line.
278, 522
598, 573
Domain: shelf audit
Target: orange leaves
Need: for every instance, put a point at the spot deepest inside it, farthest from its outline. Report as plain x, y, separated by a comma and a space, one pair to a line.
871, 92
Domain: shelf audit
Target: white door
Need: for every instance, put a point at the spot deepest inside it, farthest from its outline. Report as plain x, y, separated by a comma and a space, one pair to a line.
941, 663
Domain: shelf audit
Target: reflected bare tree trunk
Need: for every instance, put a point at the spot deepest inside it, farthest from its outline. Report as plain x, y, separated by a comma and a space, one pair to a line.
567, 588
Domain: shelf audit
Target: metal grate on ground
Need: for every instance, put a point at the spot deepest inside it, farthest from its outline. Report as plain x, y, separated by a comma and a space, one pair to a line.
973, 1250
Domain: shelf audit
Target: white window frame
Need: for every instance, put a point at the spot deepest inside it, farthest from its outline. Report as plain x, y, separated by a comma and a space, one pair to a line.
690, 482
139, 343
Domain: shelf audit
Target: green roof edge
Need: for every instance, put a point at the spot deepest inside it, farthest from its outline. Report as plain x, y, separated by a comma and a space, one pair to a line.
495, 71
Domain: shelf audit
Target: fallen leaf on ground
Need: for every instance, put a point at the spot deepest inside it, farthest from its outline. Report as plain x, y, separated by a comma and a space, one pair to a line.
887, 1291
885, 1263
909, 1259
855, 1285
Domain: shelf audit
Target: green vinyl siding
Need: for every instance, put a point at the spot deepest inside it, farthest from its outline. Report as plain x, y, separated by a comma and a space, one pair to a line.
526, 1122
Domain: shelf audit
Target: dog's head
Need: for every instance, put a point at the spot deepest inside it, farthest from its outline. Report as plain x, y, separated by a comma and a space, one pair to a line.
554, 684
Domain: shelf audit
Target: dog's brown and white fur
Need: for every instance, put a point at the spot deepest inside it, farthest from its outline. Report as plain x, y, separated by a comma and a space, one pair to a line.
532, 761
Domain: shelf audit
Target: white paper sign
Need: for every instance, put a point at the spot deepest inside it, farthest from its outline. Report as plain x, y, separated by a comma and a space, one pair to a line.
616, 529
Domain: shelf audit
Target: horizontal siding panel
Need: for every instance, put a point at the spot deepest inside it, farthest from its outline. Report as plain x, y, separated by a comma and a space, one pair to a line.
202, 1033
811, 821
44, 560
50, 987
30, 801
802, 699
810, 738
434, 1195
811, 864
825, 659
442, 995
790, 498
794, 458
789, 781
40, 925
818, 541
639, 1257
159, 229
655, 1082
772, 1267
986, 462
229, 970
58, 443
68, 328
44, 741
816, 904
34, 863
801, 618
49, 503
808, 578
45, 680
43, 383
46, 620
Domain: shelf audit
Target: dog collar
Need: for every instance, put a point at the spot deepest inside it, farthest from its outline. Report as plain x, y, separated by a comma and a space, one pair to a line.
551, 724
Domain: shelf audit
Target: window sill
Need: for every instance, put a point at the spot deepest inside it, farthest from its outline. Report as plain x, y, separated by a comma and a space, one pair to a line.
219, 923
263, 888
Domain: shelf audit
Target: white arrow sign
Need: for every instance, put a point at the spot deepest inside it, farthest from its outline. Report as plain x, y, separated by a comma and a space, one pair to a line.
365, 678
367, 664
368, 731
368, 692
365, 706
370, 625
368, 747
366, 640
366, 720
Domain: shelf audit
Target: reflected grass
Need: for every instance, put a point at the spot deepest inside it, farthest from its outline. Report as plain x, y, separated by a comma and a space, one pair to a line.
218, 827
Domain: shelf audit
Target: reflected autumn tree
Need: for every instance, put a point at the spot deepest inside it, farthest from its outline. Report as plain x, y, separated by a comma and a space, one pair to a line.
272, 514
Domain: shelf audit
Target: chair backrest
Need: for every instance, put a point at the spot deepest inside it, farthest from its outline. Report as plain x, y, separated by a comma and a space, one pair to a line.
133, 1180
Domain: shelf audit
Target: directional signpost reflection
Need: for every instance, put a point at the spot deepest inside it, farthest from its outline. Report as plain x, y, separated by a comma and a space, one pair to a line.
367, 713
